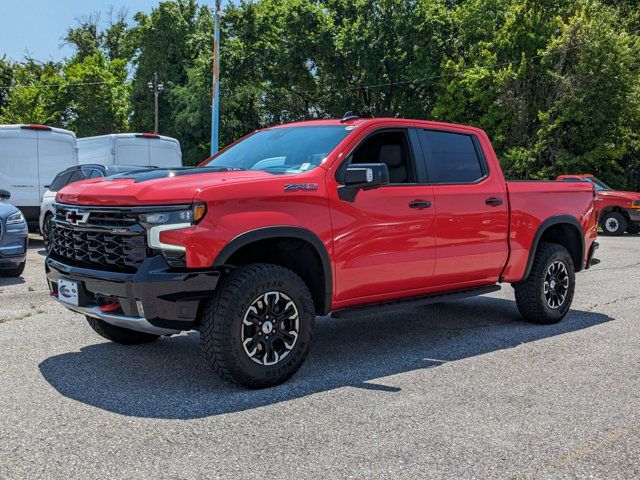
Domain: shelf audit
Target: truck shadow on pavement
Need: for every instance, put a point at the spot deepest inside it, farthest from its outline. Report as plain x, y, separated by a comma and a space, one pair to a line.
170, 379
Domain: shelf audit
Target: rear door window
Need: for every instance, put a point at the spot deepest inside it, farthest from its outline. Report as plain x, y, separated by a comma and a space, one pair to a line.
451, 157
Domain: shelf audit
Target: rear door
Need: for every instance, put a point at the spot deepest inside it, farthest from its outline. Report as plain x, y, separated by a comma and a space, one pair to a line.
19, 166
471, 209
132, 151
164, 153
95, 150
56, 152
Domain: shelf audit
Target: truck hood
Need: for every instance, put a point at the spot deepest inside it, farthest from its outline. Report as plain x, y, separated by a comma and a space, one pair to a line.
153, 187
611, 194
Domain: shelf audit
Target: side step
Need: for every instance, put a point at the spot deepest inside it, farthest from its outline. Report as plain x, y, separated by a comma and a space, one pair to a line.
413, 302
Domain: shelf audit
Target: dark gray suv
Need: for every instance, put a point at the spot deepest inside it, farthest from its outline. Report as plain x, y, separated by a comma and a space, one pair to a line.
14, 237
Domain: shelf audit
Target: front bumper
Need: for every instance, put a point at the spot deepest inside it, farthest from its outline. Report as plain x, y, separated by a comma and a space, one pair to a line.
634, 214
13, 247
155, 299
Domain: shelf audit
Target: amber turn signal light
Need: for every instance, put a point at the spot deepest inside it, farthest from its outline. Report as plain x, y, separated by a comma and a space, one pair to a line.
199, 210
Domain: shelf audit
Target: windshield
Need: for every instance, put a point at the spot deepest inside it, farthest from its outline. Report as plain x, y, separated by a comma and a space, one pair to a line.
600, 185
282, 150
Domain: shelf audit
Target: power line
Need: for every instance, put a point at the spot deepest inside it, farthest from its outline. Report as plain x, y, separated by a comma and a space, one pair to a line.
56, 85
340, 89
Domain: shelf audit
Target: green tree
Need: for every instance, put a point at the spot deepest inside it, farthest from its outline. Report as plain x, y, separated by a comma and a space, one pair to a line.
6, 78
169, 42
96, 95
592, 118
34, 96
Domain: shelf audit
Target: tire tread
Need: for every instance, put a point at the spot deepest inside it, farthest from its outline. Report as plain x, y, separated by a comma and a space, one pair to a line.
213, 316
527, 292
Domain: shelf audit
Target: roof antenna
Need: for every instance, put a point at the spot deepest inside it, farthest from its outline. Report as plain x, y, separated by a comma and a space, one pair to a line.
348, 117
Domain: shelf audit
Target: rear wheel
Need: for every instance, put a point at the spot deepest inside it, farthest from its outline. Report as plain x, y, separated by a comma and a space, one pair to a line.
545, 296
120, 335
613, 223
14, 272
256, 329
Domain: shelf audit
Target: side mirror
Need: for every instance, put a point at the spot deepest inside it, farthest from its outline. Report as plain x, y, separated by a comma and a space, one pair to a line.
363, 176
4, 195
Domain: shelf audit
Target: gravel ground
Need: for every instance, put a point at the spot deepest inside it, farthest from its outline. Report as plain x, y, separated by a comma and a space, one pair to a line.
460, 390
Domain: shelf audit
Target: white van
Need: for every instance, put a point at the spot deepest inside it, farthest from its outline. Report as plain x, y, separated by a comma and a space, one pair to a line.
143, 149
30, 157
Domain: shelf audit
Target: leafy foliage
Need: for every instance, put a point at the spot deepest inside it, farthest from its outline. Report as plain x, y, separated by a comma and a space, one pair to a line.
554, 82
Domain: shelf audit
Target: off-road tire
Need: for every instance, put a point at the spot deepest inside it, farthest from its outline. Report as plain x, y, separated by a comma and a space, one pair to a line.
616, 218
46, 232
530, 294
120, 335
13, 272
221, 324
633, 228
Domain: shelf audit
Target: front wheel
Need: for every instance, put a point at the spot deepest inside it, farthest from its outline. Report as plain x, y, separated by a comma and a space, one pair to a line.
46, 232
14, 272
546, 295
613, 224
256, 329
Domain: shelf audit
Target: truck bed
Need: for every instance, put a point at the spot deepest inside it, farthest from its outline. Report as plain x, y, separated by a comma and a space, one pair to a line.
533, 202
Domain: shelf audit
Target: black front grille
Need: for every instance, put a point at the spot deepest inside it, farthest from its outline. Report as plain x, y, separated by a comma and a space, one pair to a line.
111, 219
103, 240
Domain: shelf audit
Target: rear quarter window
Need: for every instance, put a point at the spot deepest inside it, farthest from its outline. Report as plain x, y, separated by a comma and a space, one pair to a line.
61, 180
451, 157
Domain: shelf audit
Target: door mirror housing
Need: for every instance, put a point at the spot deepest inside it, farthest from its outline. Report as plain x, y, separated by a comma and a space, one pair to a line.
4, 195
366, 176
363, 176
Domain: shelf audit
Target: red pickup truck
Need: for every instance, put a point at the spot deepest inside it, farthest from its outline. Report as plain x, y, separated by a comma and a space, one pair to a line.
617, 211
341, 217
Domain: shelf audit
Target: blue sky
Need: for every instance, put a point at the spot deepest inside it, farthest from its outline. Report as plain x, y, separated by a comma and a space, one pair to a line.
37, 26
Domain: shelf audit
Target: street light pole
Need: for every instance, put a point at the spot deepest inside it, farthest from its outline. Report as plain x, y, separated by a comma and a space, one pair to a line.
215, 99
156, 87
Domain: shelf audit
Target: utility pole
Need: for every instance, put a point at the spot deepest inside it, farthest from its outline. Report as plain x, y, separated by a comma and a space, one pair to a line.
215, 99
156, 87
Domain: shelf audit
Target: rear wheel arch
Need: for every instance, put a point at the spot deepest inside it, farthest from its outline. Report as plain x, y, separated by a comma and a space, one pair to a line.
564, 230
613, 209
298, 249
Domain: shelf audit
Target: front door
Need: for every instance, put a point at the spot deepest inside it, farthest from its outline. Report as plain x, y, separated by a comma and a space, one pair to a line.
384, 239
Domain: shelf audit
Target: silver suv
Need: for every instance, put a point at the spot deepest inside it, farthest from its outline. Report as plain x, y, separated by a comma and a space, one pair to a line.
14, 237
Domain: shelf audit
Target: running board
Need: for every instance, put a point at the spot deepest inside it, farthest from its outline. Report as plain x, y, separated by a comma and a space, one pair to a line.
413, 302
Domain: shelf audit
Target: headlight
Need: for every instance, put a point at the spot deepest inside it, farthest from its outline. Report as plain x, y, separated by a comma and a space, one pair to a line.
635, 204
15, 219
158, 222
193, 215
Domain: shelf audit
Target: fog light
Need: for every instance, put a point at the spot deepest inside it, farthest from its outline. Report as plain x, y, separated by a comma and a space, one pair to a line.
140, 308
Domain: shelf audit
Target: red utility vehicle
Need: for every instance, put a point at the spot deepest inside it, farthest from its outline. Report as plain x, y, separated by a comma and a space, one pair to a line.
617, 211
341, 217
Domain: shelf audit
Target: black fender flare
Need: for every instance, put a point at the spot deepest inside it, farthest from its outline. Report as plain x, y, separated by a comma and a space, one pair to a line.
544, 226
266, 233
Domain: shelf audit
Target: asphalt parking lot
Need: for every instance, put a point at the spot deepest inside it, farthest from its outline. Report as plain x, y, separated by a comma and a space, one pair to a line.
461, 390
